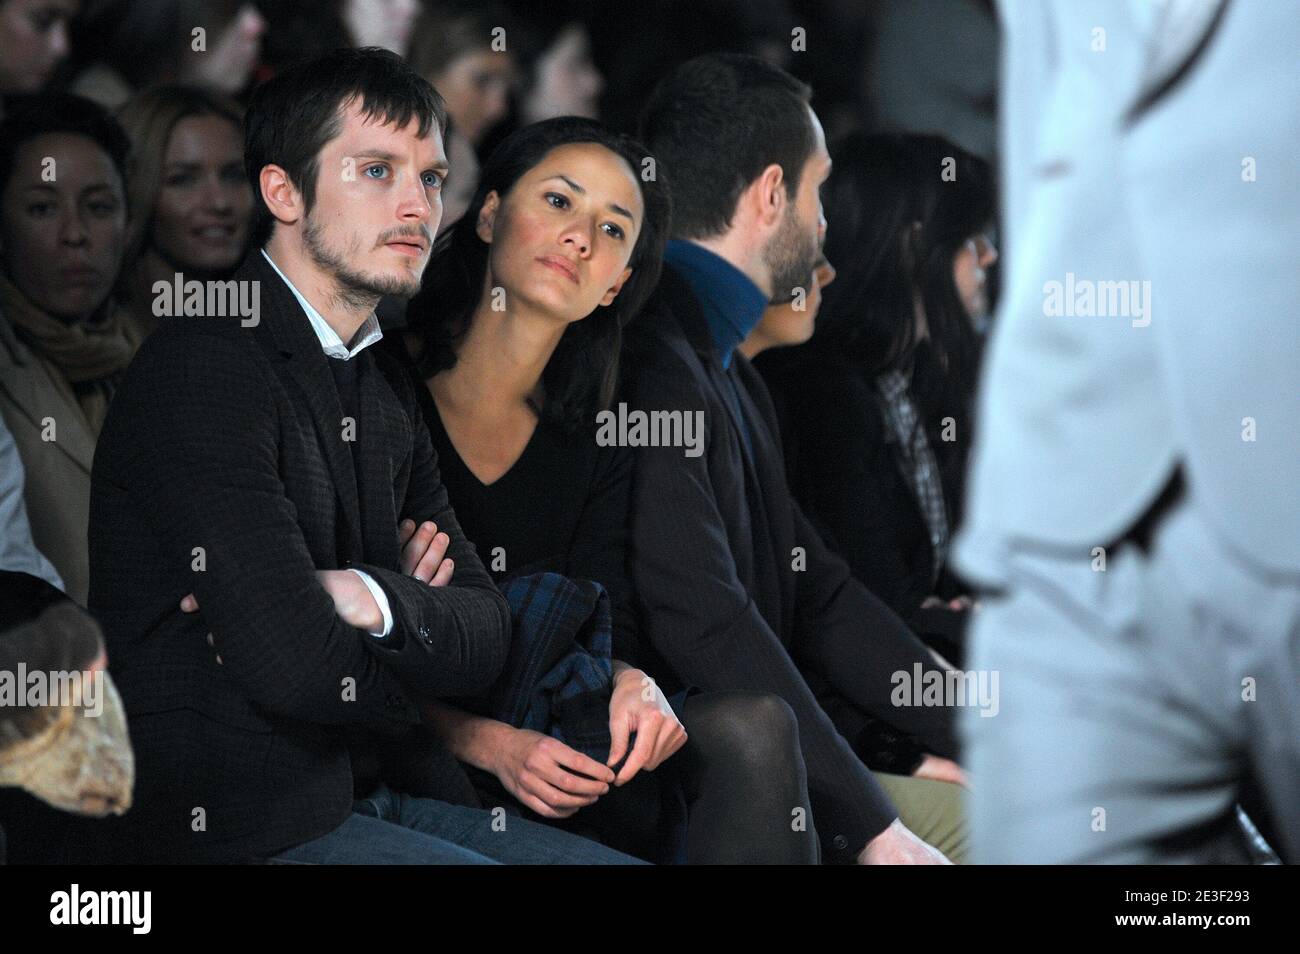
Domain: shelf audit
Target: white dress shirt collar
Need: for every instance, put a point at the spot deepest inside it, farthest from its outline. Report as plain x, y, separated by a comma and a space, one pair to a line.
330, 342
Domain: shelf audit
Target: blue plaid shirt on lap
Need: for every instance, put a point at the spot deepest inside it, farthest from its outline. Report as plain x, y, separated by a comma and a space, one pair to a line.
558, 677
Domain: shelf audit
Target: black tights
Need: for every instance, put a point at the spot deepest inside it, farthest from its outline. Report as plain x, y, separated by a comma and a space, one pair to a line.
745, 783
742, 776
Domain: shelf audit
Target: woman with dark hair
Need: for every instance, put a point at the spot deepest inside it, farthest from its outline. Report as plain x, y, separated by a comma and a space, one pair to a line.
466, 51
64, 344
560, 77
555, 72
33, 42
122, 46
514, 343
877, 407
190, 204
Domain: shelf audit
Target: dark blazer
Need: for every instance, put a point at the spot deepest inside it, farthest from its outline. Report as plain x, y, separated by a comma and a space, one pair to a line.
843, 464
736, 588
230, 439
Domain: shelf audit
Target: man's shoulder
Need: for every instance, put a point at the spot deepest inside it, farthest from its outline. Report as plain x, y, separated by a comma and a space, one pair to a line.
194, 349
659, 351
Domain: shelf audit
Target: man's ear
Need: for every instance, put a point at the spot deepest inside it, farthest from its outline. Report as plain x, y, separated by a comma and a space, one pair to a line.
279, 193
487, 216
614, 289
768, 195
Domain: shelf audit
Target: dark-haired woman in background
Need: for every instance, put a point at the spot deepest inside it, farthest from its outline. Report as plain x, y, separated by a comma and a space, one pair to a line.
189, 198
63, 342
462, 49
123, 46
514, 345
876, 409
33, 42
555, 71
466, 51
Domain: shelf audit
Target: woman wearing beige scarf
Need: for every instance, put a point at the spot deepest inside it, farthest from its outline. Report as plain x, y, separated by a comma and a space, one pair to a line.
63, 344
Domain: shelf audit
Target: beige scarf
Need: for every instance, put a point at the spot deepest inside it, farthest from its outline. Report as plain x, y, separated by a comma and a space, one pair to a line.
83, 358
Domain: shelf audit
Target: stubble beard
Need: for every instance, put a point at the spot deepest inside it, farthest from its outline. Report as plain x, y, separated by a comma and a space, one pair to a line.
791, 257
354, 289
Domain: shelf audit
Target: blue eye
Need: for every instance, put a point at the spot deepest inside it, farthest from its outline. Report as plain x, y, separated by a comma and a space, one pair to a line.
564, 202
383, 171
433, 180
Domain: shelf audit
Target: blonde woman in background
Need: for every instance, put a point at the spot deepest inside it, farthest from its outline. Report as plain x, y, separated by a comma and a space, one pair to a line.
189, 199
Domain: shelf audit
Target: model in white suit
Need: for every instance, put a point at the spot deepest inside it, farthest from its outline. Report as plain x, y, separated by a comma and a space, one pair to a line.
1135, 486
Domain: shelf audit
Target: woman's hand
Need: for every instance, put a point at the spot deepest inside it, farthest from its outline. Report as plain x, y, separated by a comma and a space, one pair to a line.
638, 705
546, 775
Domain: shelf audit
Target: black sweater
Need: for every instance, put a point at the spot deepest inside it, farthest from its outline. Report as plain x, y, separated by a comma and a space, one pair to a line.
562, 507
843, 463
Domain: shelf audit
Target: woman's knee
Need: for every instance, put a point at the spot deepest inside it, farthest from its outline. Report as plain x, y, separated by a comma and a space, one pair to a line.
751, 730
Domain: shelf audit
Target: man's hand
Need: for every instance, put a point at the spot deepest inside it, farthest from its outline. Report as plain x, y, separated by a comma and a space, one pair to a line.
941, 770
547, 775
637, 705
896, 845
352, 600
958, 604
423, 550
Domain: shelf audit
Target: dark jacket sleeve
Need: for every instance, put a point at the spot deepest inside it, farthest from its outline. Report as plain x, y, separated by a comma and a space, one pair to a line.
207, 456
857, 644
847, 480
698, 615
447, 640
600, 544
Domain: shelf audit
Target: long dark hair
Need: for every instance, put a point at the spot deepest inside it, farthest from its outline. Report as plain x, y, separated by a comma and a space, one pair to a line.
894, 226
899, 207
147, 41
581, 375
895, 222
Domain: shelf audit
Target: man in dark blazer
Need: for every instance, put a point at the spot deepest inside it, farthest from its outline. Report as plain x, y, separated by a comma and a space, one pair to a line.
737, 591
274, 632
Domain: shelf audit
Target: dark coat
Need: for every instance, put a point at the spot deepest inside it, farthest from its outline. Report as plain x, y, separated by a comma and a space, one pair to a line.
737, 590
231, 439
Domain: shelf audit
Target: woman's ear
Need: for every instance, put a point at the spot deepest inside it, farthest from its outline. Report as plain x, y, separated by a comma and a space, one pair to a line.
614, 289
487, 216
